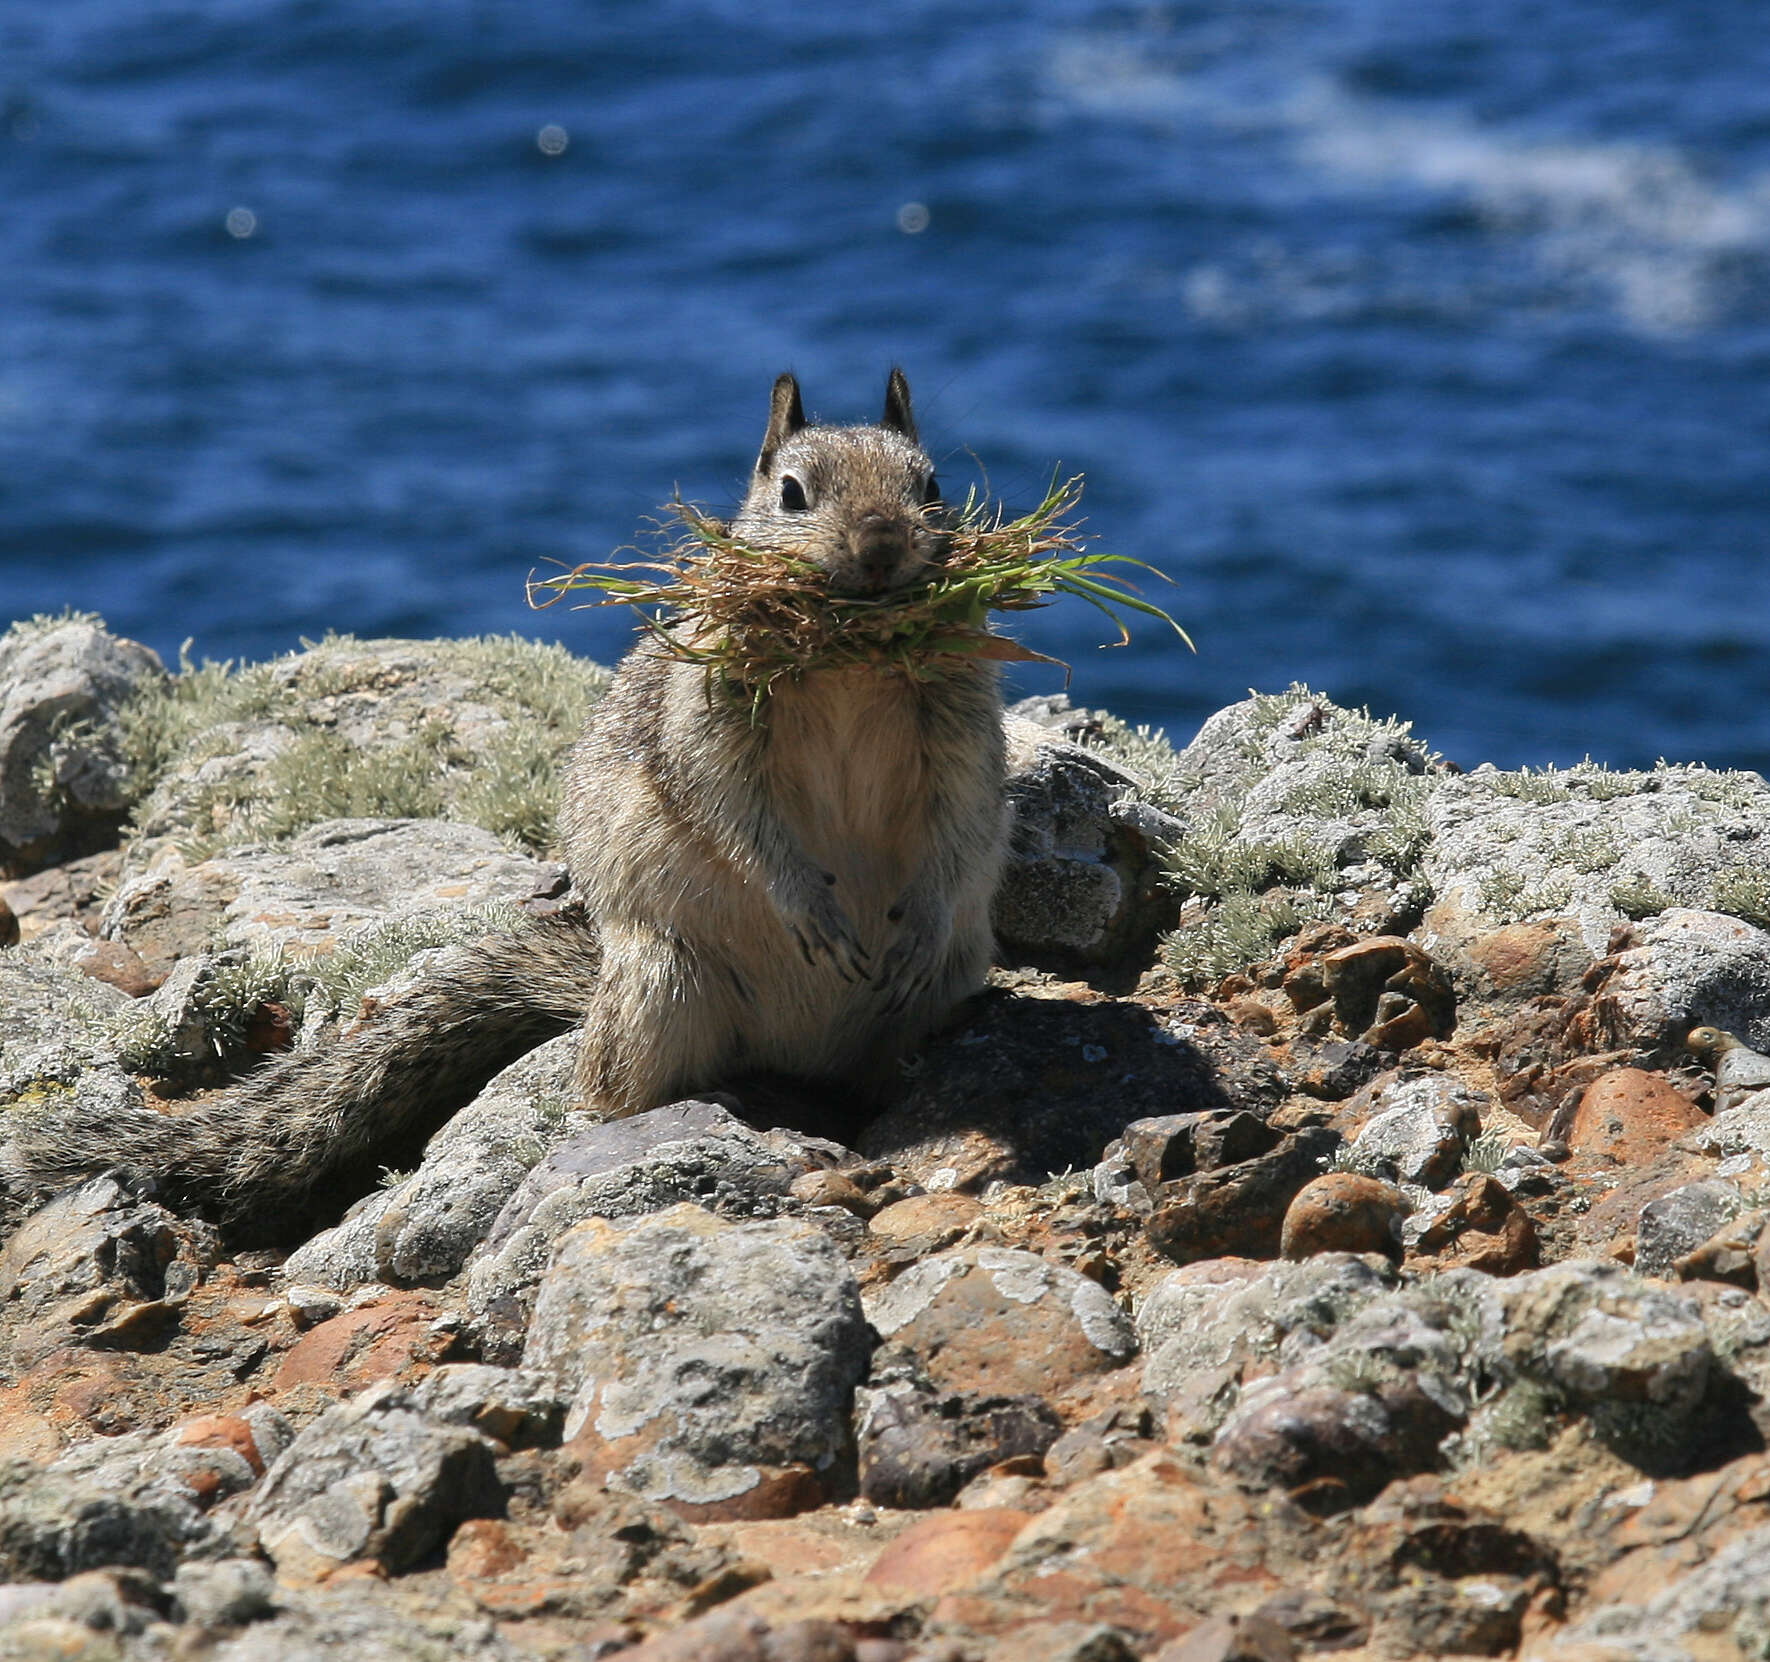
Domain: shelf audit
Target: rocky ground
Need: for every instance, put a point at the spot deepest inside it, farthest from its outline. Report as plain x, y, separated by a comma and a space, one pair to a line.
1340, 1229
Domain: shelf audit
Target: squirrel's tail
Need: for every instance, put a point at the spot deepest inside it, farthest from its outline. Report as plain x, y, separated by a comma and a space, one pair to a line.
308, 1133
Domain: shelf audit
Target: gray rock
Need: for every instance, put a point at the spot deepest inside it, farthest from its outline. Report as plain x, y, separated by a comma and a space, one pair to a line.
1680, 1221
702, 1353
1602, 1337
65, 782
1082, 884
312, 891
689, 1151
422, 1230
164, 1470
54, 1525
55, 1025
1725, 1599
517, 1408
364, 1624
372, 1479
1228, 1312
94, 1266
1577, 843
228, 1593
1419, 1128
1742, 1129
1692, 968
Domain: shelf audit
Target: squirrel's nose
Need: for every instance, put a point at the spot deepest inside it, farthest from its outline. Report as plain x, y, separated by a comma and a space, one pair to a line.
882, 543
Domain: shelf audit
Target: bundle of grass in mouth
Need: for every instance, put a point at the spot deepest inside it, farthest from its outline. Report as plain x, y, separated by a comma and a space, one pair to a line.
753, 615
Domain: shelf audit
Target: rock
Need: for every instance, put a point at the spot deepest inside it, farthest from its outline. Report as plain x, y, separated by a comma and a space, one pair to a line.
1725, 1601
1691, 969
54, 1525
1732, 1254
1254, 1638
712, 1362
56, 1026
1177, 1145
1744, 1129
1344, 1212
1027, 1087
1102, 1444
690, 1151
1082, 887
918, 1446
1231, 1313
1388, 993
919, 1225
1587, 844
1603, 1338
374, 1480
1739, 1070
228, 1593
422, 1229
1476, 1225
1419, 1127
66, 781
944, 1551
465, 730
513, 1407
1238, 1209
993, 1320
383, 1335
1679, 1222
311, 892
98, 1267
1628, 1116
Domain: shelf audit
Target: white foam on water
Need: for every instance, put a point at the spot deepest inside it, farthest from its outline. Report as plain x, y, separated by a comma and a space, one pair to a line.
1633, 226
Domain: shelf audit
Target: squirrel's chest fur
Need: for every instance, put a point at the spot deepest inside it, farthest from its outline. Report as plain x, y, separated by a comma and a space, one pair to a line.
844, 759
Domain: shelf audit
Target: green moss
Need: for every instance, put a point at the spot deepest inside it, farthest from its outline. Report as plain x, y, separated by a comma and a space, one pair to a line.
1239, 930
1145, 752
1744, 891
541, 692
46, 623
1639, 897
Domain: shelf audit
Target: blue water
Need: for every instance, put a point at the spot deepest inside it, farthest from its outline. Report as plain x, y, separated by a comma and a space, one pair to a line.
1426, 346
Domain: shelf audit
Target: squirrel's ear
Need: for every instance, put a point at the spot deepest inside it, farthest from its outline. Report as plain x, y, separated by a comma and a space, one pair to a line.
786, 415
898, 415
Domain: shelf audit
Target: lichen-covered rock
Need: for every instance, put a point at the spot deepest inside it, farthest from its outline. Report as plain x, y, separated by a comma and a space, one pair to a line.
997, 1320
1230, 1313
1602, 1337
1082, 886
710, 1363
689, 1151
336, 877
1419, 1126
1593, 845
1689, 968
65, 776
1679, 1222
54, 1525
371, 1479
422, 1228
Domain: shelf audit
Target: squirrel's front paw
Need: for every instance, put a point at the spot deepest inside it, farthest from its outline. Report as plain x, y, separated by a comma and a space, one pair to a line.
925, 930
823, 931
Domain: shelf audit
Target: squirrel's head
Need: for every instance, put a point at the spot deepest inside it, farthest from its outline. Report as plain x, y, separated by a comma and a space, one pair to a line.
861, 502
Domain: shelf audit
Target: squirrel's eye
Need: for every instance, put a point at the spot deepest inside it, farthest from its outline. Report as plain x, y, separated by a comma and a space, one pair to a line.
931, 491
793, 495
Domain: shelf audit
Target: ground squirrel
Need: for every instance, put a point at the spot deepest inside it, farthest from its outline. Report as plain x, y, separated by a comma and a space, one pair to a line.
801, 887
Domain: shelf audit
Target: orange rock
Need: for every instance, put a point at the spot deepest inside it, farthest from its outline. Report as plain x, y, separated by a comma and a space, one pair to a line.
925, 1222
1628, 1116
373, 1342
227, 1431
944, 1550
1484, 1228
1343, 1211
482, 1548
